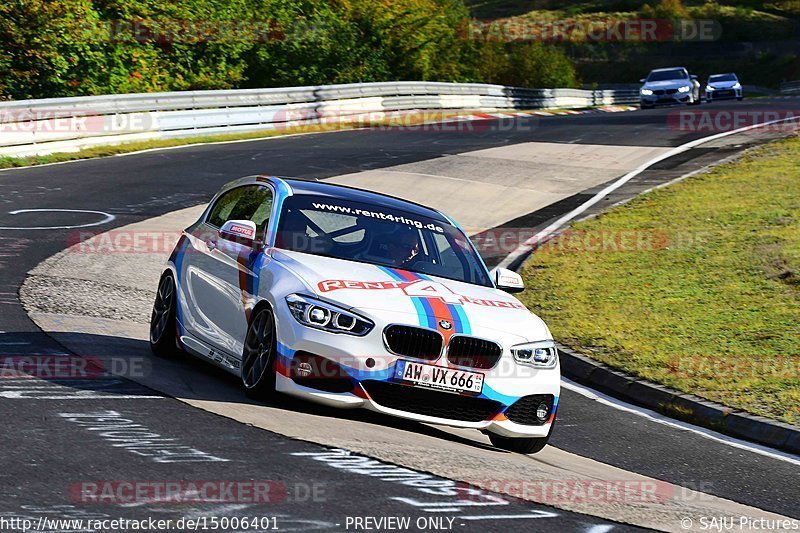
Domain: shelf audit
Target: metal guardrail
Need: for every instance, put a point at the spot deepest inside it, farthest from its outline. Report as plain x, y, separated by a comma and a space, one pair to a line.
38, 127
790, 87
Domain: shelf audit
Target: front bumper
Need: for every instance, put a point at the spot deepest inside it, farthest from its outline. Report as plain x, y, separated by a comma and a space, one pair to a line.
723, 94
676, 98
348, 372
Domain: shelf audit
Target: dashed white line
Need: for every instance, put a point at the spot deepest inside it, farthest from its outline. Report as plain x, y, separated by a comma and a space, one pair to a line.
602, 528
532, 514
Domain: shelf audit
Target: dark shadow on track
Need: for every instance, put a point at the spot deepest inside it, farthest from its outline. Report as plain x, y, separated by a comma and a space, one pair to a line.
125, 366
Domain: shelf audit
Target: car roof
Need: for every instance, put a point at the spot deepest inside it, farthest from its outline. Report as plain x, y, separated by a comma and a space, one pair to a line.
667, 68
723, 74
345, 192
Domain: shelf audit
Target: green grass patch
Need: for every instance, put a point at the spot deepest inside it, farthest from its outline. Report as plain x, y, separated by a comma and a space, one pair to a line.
695, 286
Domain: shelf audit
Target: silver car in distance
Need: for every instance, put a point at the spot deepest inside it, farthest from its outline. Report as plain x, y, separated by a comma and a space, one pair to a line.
669, 86
723, 87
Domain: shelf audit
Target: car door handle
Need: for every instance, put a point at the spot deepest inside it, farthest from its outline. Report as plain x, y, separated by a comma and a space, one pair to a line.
212, 244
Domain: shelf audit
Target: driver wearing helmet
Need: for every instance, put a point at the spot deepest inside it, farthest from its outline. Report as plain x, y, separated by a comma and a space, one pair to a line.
403, 246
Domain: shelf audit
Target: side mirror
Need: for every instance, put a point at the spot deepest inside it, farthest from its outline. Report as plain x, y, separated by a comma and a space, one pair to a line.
241, 231
507, 280
642, 80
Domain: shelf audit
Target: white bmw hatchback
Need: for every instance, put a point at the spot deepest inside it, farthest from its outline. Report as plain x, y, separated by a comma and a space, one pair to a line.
357, 299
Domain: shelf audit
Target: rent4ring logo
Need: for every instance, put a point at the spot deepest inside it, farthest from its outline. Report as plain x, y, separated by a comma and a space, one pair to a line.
417, 288
399, 219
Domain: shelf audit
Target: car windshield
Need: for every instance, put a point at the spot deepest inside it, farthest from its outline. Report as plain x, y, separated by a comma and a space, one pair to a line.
721, 77
333, 227
664, 75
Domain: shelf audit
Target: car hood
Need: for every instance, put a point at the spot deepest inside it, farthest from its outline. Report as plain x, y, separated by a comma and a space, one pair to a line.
666, 84
398, 296
723, 84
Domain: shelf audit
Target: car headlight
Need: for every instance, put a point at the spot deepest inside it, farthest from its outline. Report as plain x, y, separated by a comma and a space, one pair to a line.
542, 354
737, 85
647, 92
684, 89
709, 88
327, 317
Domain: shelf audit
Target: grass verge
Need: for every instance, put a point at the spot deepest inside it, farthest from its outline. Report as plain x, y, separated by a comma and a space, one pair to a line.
695, 286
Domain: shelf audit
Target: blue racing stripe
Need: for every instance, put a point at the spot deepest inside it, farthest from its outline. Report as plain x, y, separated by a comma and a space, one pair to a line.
427, 311
458, 325
390, 272
461, 319
490, 393
423, 308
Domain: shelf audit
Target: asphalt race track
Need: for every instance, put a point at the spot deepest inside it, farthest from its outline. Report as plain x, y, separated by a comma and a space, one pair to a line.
52, 445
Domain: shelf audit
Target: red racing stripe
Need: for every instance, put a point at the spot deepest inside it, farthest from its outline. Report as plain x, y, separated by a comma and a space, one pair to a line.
439, 307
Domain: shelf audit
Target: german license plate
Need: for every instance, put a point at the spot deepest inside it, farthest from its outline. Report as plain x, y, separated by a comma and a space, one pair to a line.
437, 377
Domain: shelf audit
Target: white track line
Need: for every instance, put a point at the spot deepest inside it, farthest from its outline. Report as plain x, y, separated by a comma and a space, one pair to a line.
600, 529
553, 229
107, 218
677, 424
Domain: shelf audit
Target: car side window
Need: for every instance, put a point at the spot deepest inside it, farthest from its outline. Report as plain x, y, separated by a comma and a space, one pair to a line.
252, 202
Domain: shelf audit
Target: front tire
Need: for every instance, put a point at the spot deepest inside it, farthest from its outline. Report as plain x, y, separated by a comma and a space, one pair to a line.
258, 357
163, 321
525, 446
